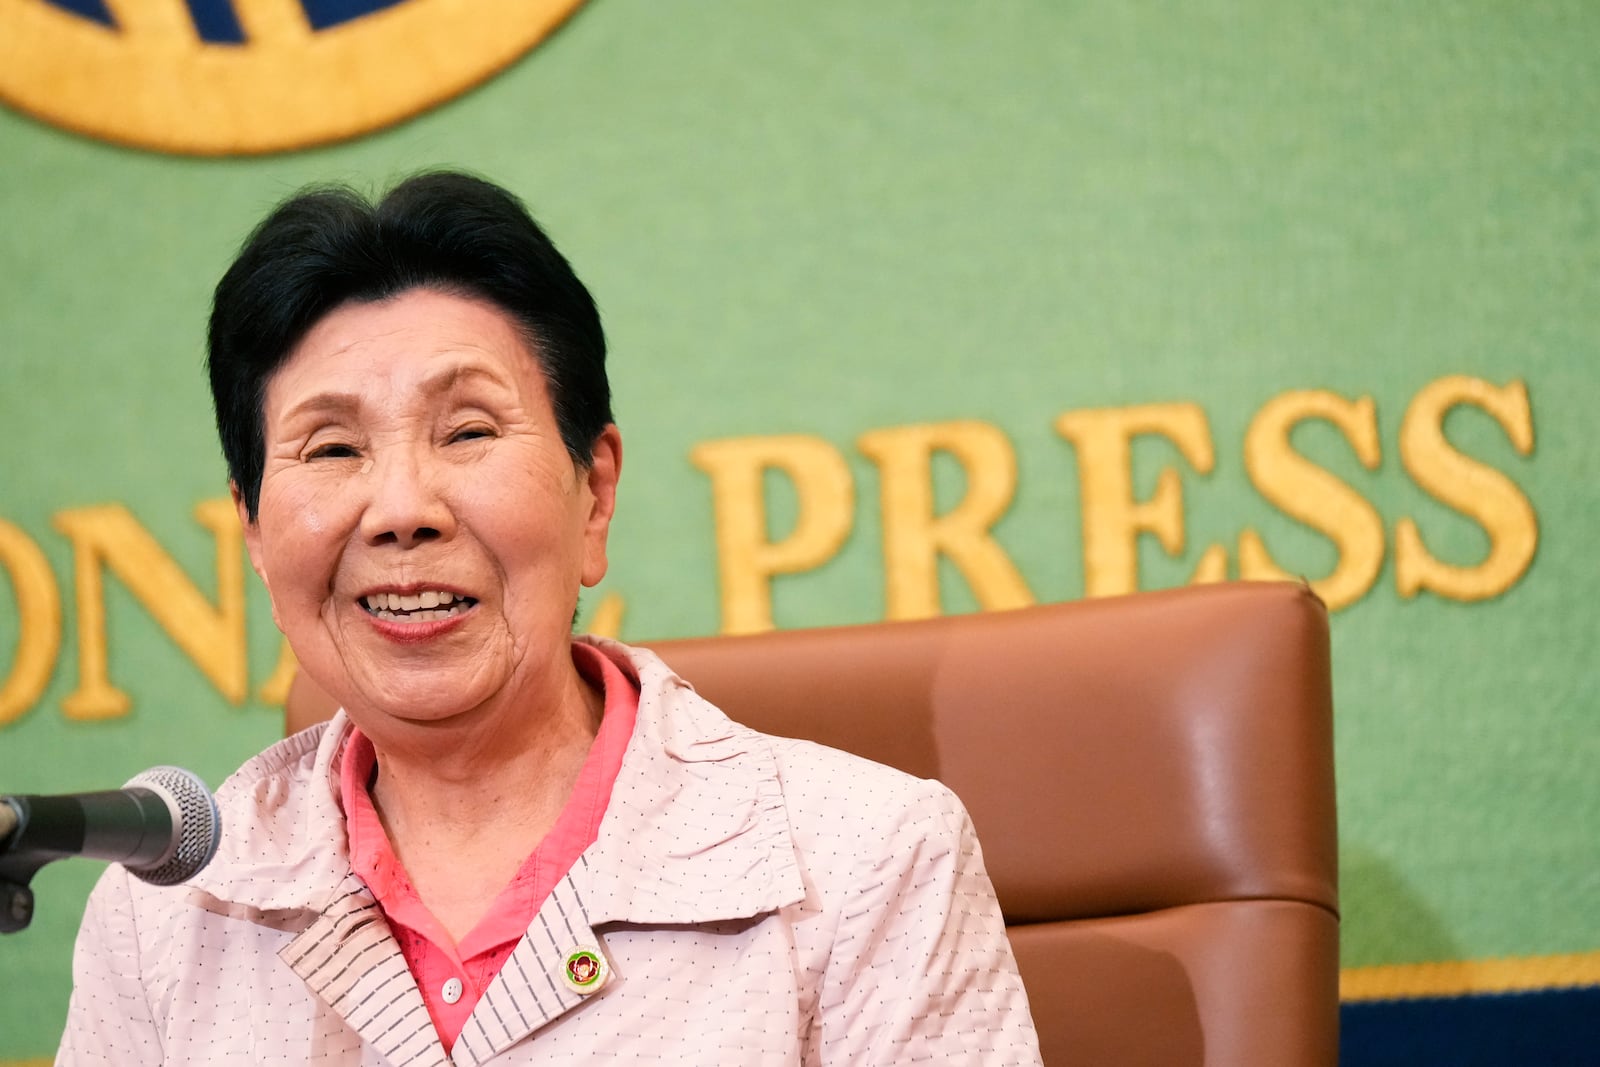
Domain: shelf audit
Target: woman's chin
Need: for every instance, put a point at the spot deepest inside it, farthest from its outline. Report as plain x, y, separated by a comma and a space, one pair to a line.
422, 701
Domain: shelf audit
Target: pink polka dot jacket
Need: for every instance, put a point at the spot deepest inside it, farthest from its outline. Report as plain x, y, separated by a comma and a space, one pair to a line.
750, 900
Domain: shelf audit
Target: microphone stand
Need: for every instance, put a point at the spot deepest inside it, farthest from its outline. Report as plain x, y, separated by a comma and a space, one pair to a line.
16, 899
16, 906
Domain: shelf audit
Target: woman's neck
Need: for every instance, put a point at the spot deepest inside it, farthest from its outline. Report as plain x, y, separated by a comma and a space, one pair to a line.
465, 801
490, 764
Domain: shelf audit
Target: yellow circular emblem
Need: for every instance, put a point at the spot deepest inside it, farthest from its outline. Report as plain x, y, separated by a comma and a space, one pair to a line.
226, 77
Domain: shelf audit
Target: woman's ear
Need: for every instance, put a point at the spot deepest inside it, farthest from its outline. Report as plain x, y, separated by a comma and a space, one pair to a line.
600, 479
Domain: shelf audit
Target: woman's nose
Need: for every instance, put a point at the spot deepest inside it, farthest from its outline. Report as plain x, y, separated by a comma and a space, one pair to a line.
405, 506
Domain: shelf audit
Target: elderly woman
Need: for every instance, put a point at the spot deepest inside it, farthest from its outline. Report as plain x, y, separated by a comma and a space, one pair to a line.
510, 845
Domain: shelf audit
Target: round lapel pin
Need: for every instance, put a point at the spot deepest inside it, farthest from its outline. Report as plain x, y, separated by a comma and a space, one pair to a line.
585, 970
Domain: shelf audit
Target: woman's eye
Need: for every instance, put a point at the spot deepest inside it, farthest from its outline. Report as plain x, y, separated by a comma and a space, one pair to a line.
471, 433
332, 452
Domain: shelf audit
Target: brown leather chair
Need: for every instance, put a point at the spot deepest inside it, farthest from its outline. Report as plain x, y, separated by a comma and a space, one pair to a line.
1151, 778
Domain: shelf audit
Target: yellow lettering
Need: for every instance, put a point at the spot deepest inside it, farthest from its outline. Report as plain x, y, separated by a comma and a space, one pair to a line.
1112, 518
1475, 489
275, 690
1307, 492
1212, 568
914, 538
38, 619
607, 618
213, 637
746, 560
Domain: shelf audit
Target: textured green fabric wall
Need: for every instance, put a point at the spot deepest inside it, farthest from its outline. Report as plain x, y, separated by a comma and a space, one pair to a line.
833, 218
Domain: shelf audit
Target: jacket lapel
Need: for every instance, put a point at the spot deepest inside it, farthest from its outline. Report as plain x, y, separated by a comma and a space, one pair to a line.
351, 961
695, 832
532, 989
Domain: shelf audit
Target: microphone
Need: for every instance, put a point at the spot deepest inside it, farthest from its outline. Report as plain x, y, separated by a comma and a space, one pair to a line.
163, 826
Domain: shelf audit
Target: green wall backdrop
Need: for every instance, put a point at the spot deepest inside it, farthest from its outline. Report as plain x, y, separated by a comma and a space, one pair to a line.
833, 218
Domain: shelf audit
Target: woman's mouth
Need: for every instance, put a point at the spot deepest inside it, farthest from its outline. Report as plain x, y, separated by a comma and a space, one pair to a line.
430, 605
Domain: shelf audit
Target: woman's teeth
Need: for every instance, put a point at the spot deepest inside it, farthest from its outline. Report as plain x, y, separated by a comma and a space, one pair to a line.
426, 606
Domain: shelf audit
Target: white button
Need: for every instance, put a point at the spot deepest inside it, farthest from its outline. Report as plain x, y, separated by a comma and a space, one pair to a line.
451, 990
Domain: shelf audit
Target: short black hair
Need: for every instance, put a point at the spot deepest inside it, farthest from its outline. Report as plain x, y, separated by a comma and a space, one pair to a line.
328, 246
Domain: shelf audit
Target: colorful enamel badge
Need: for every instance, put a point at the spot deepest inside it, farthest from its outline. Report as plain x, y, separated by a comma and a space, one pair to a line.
585, 970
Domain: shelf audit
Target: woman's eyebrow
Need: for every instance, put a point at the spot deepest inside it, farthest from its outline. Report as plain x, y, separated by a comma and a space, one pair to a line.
451, 375
327, 403
441, 381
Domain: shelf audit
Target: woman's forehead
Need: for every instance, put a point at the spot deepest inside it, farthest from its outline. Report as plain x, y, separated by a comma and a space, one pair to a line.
421, 343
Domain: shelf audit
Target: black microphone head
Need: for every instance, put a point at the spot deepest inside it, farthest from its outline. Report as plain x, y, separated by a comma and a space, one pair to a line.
196, 824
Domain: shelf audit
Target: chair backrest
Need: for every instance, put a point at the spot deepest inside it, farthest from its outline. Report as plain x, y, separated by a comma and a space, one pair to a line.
1151, 778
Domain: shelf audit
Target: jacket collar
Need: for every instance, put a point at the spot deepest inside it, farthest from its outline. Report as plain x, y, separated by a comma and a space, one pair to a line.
283, 847
695, 831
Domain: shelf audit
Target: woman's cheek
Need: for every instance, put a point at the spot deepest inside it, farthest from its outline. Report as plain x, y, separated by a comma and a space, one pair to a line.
308, 539
316, 502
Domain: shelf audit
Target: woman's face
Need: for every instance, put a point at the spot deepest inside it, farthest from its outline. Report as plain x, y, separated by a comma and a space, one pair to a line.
422, 529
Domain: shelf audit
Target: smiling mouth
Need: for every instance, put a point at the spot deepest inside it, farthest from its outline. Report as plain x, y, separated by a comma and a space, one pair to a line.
427, 606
